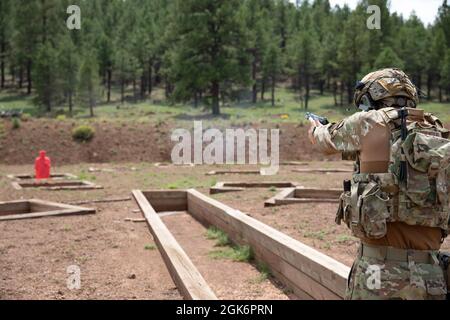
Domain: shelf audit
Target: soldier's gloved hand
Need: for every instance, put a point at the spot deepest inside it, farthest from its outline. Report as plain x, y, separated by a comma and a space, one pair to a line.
314, 125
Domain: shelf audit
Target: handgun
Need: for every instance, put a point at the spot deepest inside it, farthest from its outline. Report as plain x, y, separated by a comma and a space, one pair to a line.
322, 120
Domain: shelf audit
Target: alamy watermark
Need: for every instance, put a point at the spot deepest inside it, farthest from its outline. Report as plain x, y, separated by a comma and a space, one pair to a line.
229, 147
373, 281
374, 21
74, 20
74, 278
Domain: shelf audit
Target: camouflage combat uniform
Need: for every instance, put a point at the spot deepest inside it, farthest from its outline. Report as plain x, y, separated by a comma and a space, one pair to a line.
400, 218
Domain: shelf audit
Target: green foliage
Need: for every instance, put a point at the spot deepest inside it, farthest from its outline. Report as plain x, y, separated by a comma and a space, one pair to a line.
222, 238
150, 247
264, 270
2, 130
83, 133
237, 253
89, 87
215, 53
388, 59
15, 123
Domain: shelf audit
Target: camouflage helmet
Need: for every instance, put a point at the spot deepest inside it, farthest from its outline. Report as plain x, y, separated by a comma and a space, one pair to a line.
391, 87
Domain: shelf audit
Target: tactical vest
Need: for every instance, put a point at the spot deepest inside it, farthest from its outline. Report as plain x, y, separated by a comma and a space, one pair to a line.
415, 190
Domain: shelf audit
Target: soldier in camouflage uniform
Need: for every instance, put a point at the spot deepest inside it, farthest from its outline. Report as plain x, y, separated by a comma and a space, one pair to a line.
397, 202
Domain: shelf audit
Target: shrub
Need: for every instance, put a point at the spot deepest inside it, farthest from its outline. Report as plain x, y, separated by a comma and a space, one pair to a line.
83, 133
25, 117
61, 117
15, 123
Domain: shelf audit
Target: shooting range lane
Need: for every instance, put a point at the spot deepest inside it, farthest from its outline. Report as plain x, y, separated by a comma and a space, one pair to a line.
228, 279
119, 259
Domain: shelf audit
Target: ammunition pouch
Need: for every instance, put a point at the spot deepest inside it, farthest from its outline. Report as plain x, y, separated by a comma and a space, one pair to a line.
376, 199
368, 207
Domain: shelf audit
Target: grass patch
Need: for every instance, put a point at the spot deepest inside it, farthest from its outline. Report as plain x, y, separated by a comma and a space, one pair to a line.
149, 247
264, 270
236, 253
85, 176
2, 129
15, 123
319, 235
343, 238
220, 236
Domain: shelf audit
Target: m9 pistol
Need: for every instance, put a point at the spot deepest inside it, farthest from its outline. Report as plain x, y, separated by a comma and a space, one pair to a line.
312, 116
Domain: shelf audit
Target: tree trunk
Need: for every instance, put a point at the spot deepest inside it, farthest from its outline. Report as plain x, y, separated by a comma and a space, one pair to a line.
255, 85
150, 76
263, 89
143, 85
91, 108
108, 83
196, 99
13, 74
307, 88
134, 89
215, 91
30, 83
440, 94
349, 93
2, 64
21, 77
321, 86
273, 91
70, 104
335, 94
429, 84
122, 91
342, 93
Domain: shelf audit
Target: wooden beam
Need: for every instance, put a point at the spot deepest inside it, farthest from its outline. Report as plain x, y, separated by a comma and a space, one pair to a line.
188, 279
35, 208
336, 170
222, 172
235, 186
101, 201
55, 184
303, 268
167, 200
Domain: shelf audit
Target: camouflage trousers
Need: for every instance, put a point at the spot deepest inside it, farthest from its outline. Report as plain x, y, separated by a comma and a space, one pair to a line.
375, 279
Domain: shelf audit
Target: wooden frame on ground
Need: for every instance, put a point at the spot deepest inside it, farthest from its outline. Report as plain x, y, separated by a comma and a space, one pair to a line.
34, 208
53, 176
55, 184
307, 272
329, 170
230, 186
303, 195
223, 172
188, 279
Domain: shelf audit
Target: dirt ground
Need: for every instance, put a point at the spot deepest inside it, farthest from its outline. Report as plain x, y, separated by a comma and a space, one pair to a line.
122, 141
118, 259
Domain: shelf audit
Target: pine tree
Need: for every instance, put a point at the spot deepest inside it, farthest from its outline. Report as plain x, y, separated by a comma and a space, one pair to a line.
273, 66
89, 86
445, 74
211, 48
45, 73
69, 67
26, 37
5, 36
388, 59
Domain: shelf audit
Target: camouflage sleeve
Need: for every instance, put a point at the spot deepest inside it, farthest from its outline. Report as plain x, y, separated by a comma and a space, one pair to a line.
345, 136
